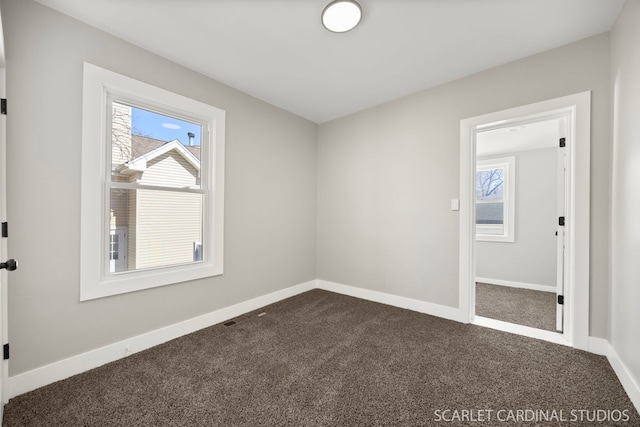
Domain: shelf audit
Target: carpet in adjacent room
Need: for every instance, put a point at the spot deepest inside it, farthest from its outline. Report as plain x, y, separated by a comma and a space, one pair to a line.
526, 307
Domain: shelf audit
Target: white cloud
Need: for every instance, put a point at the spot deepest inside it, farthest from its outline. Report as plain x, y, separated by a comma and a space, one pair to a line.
171, 126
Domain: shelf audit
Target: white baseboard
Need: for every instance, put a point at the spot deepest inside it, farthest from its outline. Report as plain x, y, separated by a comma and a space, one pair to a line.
630, 384
526, 331
39, 377
56, 371
598, 346
451, 313
521, 285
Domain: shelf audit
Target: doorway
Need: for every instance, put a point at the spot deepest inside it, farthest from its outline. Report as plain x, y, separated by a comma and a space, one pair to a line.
570, 116
519, 206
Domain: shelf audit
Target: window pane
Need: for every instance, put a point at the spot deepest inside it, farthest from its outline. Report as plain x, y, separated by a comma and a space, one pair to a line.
490, 184
154, 149
490, 213
158, 228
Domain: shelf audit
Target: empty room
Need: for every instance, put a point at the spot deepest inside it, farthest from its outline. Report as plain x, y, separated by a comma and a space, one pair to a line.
350, 212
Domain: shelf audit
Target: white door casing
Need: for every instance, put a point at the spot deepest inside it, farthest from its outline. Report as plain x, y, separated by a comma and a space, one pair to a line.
577, 109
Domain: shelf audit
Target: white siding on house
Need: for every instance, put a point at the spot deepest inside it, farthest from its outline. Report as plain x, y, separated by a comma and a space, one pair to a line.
132, 229
170, 169
168, 223
119, 204
162, 225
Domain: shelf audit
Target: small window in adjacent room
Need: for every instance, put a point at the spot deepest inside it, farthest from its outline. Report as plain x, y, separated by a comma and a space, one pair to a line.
152, 186
495, 194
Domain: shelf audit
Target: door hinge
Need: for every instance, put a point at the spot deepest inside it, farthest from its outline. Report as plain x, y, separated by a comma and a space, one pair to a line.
561, 299
5, 229
3, 106
563, 142
561, 221
5, 351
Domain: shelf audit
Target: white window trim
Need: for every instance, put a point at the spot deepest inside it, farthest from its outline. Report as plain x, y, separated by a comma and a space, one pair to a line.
95, 280
509, 165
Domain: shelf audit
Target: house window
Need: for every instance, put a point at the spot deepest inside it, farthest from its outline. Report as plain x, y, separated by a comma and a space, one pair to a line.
152, 185
117, 249
495, 197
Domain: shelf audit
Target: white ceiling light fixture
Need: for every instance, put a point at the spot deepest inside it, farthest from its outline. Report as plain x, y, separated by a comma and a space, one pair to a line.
341, 16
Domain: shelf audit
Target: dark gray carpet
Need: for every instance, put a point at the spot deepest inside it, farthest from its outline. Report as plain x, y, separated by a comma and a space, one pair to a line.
321, 358
522, 306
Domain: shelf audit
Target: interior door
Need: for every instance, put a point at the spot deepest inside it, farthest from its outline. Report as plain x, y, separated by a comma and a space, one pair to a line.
3, 240
3, 217
561, 235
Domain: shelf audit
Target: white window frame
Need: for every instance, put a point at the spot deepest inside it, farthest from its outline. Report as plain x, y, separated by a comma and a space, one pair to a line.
99, 85
509, 197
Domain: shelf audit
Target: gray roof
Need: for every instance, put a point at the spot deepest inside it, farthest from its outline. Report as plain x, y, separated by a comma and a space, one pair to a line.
141, 145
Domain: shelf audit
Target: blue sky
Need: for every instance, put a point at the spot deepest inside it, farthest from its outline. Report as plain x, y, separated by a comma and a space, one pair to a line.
162, 127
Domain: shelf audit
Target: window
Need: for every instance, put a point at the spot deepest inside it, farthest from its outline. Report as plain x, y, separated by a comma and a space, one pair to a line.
152, 186
117, 249
495, 196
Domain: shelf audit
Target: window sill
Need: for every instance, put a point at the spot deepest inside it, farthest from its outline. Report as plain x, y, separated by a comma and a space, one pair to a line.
115, 284
489, 238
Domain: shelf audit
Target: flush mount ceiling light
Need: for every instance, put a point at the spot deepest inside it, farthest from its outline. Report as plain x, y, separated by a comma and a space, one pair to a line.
341, 16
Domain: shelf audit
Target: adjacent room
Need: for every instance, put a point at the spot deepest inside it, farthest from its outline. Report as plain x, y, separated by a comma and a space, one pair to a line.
350, 212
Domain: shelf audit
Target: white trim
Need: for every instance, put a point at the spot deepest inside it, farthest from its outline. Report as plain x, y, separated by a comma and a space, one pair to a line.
39, 377
99, 85
2, 55
630, 384
578, 109
425, 307
526, 331
598, 346
521, 285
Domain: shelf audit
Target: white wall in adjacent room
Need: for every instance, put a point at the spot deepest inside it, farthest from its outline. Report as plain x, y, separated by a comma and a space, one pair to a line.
531, 258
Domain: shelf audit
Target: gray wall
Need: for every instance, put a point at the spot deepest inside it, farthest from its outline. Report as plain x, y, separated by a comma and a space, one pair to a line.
532, 257
270, 218
625, 247
378, 185
386, 176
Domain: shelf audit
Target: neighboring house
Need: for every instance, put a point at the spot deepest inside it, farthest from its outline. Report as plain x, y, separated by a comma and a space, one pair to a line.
143, 222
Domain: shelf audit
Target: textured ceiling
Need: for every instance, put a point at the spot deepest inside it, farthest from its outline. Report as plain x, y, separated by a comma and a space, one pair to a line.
278, 51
